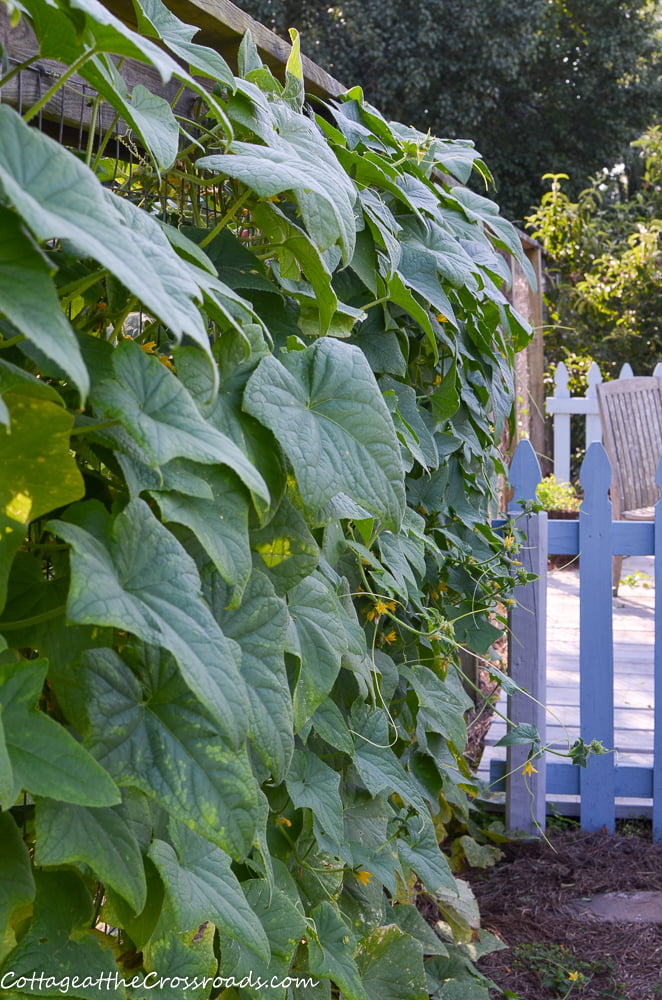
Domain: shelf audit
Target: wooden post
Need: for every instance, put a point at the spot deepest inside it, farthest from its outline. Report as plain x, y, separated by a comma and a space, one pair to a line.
525, 797
657, 718
596, 647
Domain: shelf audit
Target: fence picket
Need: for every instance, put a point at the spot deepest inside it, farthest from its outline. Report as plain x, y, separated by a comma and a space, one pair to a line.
596, 649
657, 696
525, 799
597, 538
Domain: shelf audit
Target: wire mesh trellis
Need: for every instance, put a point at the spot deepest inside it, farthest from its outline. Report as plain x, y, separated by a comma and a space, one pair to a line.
83, 122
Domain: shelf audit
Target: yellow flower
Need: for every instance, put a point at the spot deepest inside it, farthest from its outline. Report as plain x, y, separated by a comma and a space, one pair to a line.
370, 615
381, 608
283, 820
573, 976
529, 768
364, 877
391, 636
509, 541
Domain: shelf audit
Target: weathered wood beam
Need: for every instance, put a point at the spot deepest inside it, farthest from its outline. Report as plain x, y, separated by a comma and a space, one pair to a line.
222, 26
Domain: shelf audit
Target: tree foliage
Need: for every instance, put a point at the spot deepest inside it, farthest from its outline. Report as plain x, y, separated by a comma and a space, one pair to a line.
605, 294
251, 390
542, 86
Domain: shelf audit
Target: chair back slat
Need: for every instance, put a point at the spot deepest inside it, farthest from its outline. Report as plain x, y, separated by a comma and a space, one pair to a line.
631, 415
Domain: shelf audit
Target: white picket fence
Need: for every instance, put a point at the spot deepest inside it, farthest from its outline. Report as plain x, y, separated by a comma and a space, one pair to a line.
561, 406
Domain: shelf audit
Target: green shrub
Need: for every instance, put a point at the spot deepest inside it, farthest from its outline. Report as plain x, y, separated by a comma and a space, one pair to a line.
553, 495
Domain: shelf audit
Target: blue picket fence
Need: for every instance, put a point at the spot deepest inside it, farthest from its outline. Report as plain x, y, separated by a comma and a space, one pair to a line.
597, 539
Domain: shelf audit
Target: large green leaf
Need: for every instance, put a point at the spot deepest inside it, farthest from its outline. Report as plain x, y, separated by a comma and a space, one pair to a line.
39, 473
202, 886
80, 24
297, 253
158, 412
430, 247
156, 20
149, 731
58, 197
320, 643
286, 548
42, 757
284, 925
441, 708
391, 966
314, 785
60, 944
220, 524
296, 158
377, 764
259, 625
17, 883
421, 852
503, 233
100, 838
182, 965
325, 409
409, 919
28, 298
330, 955
134, 575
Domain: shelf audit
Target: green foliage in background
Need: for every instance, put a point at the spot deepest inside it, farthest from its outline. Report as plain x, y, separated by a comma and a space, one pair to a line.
549, 85
252, 380
605, 295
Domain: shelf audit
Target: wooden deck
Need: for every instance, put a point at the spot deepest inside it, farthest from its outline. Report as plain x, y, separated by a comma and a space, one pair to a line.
633, 674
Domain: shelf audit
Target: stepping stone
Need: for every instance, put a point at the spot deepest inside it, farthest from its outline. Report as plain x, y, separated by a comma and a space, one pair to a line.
621, 907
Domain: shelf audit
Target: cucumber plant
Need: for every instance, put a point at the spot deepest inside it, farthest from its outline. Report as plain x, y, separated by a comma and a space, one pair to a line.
254, 369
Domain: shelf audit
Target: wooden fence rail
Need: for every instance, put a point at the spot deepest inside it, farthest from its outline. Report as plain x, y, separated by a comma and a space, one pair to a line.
597, 538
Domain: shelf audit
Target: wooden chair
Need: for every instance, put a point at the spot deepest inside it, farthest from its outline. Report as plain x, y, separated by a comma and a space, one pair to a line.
631, 418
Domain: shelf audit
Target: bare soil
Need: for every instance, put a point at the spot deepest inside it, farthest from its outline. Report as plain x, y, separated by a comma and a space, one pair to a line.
526, 900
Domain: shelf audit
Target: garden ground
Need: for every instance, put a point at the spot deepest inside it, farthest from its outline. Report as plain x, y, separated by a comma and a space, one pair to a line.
527, 900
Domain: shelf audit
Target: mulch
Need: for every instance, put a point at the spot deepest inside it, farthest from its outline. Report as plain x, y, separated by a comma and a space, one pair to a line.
525, 900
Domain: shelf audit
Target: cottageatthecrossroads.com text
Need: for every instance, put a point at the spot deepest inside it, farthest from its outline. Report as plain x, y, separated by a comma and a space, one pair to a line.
41, 981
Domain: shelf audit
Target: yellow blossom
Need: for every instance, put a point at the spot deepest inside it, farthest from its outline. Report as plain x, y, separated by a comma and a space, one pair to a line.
283, 820
509, 541
573, 976
391, 636
381, 608
529, 768
364, 877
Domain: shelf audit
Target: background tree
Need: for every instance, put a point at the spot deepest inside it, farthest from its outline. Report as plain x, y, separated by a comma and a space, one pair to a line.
605, 265
551, 85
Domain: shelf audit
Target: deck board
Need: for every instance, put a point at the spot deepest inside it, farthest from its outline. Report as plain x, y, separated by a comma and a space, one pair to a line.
633, 671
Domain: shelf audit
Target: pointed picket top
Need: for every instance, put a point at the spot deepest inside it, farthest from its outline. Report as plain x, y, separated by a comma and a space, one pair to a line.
524, 474
595, 476
594, 377
561, 379
658, 370
626, 371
